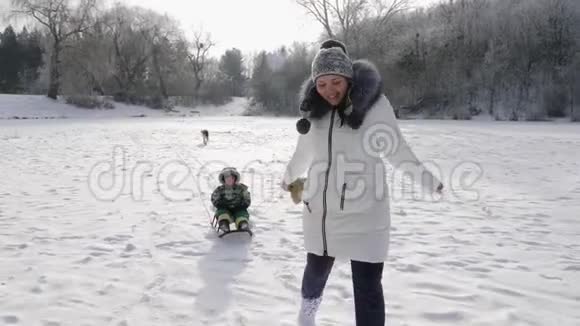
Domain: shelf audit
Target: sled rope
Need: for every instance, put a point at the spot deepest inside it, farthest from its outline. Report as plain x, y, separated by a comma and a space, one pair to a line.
212, 219
209, 215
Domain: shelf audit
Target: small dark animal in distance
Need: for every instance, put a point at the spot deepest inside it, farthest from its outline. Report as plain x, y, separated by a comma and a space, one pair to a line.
205, 136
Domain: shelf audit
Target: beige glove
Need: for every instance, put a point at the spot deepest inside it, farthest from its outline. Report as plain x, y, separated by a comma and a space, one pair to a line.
296, 188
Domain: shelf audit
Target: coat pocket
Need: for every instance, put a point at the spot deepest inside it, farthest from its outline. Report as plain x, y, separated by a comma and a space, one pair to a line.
356, 193
342, 194
307, 204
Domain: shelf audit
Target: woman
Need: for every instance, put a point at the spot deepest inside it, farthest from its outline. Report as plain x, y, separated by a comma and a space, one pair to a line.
348, 125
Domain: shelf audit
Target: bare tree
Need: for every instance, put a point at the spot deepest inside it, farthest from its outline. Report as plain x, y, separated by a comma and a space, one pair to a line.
344, 13
385, 11
320, 9
347, 16
198, 55
62, 20
131, 49
161, 32
89, 62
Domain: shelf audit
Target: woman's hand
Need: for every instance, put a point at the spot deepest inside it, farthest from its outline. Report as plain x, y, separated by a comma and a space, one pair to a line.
284, 186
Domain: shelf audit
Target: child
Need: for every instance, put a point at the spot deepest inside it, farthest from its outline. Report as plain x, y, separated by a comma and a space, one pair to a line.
231, 199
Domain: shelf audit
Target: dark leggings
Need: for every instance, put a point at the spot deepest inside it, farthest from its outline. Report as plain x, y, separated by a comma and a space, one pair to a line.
369, 301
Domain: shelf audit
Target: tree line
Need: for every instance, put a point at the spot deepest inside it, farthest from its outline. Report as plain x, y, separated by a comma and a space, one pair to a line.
512, 60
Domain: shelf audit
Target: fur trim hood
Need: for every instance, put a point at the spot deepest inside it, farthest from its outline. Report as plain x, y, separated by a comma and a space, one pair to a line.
227, 172
365, 88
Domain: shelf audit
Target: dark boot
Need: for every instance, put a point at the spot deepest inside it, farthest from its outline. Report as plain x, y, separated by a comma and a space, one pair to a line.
243, 225
224, 226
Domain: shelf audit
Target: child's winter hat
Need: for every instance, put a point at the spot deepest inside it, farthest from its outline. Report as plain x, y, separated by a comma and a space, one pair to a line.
228, 171
331, 59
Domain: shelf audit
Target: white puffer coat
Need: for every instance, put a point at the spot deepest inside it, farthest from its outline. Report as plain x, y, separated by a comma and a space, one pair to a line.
346, 201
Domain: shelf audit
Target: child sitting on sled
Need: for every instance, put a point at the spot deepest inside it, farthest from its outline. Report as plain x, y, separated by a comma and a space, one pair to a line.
231, 200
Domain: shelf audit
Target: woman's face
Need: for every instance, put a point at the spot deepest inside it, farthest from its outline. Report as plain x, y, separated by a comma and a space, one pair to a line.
332, 88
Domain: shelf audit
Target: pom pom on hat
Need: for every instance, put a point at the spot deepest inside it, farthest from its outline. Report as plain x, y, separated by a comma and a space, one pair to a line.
303, 126
334, 44
332, 59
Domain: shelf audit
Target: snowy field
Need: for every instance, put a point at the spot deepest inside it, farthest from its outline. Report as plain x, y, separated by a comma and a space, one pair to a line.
104, 221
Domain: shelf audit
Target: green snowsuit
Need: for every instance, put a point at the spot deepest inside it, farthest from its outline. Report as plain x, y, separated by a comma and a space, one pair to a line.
231, 202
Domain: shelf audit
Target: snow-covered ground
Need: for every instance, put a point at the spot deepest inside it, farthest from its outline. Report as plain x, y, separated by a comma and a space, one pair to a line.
105, 222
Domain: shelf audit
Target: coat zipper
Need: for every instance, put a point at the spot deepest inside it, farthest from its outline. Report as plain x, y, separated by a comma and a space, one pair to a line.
324, 244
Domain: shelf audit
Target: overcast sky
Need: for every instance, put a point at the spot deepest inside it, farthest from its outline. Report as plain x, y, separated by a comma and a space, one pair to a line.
249, 25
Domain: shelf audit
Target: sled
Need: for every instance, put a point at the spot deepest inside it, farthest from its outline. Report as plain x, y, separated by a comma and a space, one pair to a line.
221, 234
